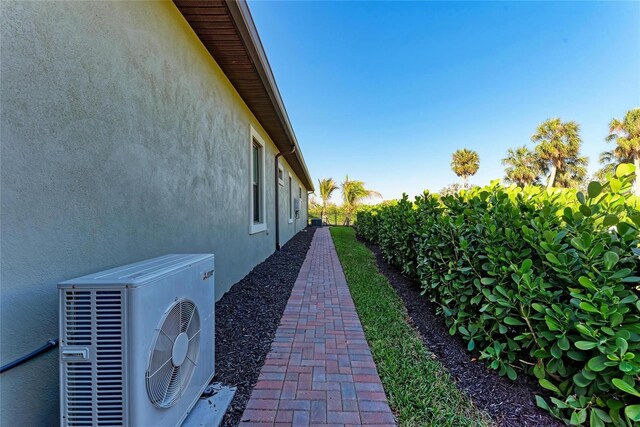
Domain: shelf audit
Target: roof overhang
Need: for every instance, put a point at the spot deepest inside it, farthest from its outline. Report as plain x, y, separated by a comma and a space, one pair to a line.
227, 30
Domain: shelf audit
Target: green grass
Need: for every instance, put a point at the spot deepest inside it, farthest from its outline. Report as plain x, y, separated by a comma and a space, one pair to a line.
420, 390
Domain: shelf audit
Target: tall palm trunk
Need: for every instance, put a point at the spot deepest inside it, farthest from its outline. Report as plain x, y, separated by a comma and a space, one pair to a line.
552, 176
464, 181
636, 163
323, 215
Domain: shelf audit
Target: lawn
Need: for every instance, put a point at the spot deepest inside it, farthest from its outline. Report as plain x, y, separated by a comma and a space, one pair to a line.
419, 389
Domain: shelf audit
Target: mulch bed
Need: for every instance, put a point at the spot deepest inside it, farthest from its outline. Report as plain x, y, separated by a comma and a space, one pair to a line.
510, 403
248, 316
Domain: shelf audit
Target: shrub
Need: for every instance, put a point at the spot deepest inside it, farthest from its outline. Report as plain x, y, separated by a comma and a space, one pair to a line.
542, 282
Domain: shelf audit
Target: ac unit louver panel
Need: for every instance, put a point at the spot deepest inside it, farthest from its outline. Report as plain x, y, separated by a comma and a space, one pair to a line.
137, 342
93, 325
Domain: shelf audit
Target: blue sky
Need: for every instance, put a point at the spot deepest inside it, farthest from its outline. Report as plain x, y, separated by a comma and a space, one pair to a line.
386, 91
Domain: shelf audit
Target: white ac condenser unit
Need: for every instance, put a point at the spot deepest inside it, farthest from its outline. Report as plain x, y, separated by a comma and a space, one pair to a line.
137, 342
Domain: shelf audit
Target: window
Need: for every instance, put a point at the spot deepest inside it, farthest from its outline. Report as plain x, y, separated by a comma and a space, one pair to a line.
256, 182
297, 206
290, 199
280, 176
257, 203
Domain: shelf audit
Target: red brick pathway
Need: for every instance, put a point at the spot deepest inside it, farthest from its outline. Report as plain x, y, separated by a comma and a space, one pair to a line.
320, 371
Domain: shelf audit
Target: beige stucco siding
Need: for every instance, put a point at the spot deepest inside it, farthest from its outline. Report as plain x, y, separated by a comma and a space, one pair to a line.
121, 140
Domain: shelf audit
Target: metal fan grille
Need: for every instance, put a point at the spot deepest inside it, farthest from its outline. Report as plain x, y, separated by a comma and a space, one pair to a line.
167, 379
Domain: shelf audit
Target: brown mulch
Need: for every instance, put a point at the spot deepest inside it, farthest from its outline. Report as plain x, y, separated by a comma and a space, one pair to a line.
248, 316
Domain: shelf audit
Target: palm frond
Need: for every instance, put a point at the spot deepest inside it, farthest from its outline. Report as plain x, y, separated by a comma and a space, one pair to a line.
523, 167
558, 146
465, 163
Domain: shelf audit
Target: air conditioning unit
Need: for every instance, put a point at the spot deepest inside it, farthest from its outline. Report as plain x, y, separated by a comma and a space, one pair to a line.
137, 342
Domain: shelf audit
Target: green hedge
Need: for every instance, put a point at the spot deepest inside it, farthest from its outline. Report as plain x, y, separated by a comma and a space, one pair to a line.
541, 282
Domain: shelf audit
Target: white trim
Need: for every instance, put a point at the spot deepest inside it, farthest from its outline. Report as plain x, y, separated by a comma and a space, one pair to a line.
257, 228
261, 226
280, 174
298, 197
290, 205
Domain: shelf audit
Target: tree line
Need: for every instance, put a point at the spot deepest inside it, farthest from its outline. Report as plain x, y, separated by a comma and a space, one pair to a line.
556, 160
354, 193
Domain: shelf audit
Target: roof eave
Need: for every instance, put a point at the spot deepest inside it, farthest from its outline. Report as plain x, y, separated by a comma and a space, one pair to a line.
245, 63
242, 15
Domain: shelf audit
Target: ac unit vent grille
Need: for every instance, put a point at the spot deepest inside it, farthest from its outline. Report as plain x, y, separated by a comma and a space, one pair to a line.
78, 318
94, 389
168, 374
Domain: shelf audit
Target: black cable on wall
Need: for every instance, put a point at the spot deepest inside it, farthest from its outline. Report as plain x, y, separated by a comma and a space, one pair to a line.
48, 346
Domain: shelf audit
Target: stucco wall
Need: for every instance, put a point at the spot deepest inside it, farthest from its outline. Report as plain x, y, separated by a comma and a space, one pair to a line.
121, 140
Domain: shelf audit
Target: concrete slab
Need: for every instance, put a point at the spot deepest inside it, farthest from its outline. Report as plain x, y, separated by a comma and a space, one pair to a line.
210, 410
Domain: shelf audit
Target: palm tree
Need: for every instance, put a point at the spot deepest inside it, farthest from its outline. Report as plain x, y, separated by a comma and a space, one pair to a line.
559, 147
609, 162
465, 163
573, 173
353, 194
626, 134
326, 186
522, 166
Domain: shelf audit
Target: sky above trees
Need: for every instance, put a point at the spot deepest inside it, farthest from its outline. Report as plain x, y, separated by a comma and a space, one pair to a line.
387, 91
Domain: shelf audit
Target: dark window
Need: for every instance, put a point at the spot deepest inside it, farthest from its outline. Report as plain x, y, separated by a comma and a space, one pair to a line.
256, 182
290, 199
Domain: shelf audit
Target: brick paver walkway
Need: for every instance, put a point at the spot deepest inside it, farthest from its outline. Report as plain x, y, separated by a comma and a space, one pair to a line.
320, 371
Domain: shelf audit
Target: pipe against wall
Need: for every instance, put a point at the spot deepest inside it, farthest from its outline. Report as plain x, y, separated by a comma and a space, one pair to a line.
48, 346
